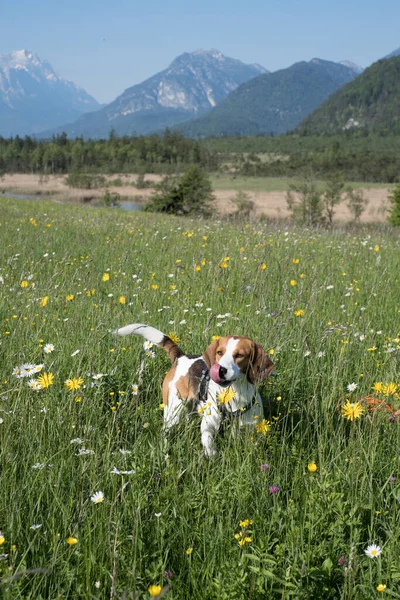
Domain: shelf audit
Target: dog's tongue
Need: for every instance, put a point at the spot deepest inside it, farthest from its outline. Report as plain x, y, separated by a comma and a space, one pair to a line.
214, 373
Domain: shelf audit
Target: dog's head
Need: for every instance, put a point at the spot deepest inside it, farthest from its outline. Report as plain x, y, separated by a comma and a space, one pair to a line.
232, 357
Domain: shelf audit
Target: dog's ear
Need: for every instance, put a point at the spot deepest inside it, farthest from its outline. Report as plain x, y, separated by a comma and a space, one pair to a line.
209, 354
261, 366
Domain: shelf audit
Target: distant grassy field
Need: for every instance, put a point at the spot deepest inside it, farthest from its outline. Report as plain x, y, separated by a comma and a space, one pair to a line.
284, 513
274, 184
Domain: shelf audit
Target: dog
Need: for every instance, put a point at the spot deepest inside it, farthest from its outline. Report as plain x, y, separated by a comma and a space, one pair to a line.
219, 384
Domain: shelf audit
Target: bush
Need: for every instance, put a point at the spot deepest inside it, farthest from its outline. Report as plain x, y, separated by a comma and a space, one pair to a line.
243, 204
84, 181
394, 216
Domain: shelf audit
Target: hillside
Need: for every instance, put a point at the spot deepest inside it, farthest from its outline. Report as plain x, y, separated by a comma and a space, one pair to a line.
372, 101
274, 102
33, 97
191, 85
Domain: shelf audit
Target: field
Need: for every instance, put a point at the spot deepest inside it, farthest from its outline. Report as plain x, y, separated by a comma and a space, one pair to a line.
287, 512
267, 193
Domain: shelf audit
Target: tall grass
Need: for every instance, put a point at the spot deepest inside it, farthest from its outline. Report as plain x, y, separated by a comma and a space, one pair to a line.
172, 522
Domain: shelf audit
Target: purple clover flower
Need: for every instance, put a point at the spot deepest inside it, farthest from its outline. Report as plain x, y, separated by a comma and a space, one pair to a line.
341, 560
274, 489
264, 467
392, 479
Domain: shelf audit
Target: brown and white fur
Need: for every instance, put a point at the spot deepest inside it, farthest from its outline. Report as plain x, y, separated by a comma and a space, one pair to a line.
196, 381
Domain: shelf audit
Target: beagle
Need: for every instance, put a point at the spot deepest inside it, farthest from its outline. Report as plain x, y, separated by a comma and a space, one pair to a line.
220, 383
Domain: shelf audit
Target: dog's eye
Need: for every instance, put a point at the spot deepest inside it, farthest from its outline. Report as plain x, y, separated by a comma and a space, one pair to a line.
219, 353
239, 355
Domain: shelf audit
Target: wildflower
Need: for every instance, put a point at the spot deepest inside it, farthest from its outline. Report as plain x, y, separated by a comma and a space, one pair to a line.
264, 467
71, 541
147, 346
293, 282
44, 301
168, 574
376, 249
173, 337
45, 380
312, 467
48, 349
226, 396
351, 387
263, 266
197, 268
74, 383
295, 261
224, 265
245, 523
122, 300
135, 389
154, 286
24, 283
35, 526
352, 410
106, 277
274, 489
97, 584
155, 590
189, 550
69, 297
373, 551
299, 313
341, 561
34, 385
389, 389
392, 479
97, 497
381, 587
2, 538
263, 427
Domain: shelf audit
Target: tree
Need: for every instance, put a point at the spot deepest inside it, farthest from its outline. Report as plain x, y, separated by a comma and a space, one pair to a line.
333, 195
356, 203
304, 202
243, 204
189, 194
394, 216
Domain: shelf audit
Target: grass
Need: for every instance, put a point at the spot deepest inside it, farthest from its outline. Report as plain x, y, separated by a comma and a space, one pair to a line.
274, 184
173, 521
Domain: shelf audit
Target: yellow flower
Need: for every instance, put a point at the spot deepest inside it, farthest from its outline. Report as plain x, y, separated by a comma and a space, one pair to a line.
172, 287
154, 286
299, 313
242, 542
43, 301
69, 297
74, 383
226, 396
24, 283
45, 380
33, 221
271, 351
263, 427
248, 539
162, 405
197, 268
106, 277
378, 387
203, 262
302, 275
224, 265
376, 249
372, 349
263, 266
312, 467
215, 337
71, 540
381, 587
189, 550
2, 539
122, 300
295, 261
173, 337
154, 590
245, 523
293, 282
352, 410
389, 389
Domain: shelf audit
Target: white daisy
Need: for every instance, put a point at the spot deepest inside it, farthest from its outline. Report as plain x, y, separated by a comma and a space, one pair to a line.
135, 389
84, 452
151, 354
97, 584
97, 497
27, 370
372, 551
352, 387
34, 385
48, 348
17, 372
147, 346
38, 368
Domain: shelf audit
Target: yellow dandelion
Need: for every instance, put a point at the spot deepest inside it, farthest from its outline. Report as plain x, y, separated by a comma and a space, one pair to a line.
71, 541
378, 387
197, 268
389, 389
24, 283
263, 427
154, 286
122, 300
173, 337
45, 380
74, 383
226, 396
293, 282
224, 265
302, 275
106, 277
295, 261
352, 410
312, 467
154, 590
376, 249
69, 297
263, 266
44, 301
215, 337
299, 313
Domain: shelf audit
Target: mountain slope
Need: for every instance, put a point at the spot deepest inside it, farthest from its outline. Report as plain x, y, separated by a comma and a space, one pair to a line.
274, 102
371, 101
192, 84
33, 97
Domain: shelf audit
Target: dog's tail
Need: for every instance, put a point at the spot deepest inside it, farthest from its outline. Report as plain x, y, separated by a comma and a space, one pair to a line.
155, 336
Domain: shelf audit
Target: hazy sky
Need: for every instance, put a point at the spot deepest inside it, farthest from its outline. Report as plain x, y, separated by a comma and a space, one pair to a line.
108, 45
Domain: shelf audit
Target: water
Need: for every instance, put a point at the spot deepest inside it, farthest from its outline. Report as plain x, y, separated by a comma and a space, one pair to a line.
129, 206
19, 196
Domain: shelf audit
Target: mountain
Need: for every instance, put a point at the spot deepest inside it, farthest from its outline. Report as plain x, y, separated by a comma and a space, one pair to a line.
274, 102
356, 68
33, 97
394, 53
372, 101
192, 84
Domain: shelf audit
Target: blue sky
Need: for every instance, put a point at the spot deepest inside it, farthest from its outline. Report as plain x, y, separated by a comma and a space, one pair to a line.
107, 46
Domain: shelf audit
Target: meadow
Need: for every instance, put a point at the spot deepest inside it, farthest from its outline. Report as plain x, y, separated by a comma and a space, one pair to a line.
95, 503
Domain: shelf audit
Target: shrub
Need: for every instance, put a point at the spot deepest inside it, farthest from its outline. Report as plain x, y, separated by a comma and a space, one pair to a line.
394, 216
85, 181
243, 204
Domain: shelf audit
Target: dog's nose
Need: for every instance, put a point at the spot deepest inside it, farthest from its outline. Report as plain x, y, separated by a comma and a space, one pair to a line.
222, 372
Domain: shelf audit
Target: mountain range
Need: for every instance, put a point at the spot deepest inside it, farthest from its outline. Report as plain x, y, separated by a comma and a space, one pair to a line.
272, 103
33, 97
192, 84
